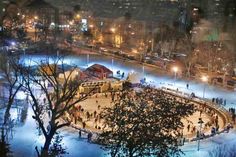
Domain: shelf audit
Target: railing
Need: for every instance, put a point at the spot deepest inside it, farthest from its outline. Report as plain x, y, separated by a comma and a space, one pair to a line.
222, 112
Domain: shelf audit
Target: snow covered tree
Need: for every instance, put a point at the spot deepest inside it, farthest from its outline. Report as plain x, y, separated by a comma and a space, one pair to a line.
144, 123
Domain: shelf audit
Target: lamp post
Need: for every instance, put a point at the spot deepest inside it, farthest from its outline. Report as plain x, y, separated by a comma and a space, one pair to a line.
58, 53
112, 64
205, 80
175, 69
200, 122
143, 70
87, 60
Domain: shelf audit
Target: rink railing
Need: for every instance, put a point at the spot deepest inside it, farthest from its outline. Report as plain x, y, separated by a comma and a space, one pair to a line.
221, 111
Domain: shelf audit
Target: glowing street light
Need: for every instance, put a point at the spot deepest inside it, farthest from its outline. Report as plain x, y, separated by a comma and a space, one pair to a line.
175, 69
36, 17
78, 16
113, 30
13, 43
205, 80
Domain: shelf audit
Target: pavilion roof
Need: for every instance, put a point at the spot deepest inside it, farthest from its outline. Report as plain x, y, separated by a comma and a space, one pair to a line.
99, 68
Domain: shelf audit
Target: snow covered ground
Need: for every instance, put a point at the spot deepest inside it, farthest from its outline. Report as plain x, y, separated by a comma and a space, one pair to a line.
26, 137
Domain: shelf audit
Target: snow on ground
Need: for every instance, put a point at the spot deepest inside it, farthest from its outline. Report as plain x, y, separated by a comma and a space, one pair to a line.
26, 138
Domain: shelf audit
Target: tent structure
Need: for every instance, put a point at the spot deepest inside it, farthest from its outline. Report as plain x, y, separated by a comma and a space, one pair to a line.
134, 78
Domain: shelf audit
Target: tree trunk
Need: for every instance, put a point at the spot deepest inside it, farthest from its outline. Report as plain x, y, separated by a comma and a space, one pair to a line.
45, 149
7, 112
131, 154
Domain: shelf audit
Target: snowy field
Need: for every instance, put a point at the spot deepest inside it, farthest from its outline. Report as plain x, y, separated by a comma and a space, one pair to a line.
26, 136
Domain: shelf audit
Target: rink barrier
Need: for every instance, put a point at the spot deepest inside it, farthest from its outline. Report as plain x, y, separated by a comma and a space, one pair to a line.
222, 112
218, 109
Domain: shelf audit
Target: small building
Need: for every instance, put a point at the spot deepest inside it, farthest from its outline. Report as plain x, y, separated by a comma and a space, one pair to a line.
100, 86
99, 71
94, 86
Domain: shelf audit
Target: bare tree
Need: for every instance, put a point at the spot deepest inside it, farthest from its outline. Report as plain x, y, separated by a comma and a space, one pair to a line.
11, 84
144, 123
59, 91
10, 71
4, 146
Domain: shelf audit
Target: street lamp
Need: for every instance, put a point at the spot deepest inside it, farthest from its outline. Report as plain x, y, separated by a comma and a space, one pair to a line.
112, 64
200, 122
175, 69
78, 16
113, 30
143, 70
205, 80
87, 60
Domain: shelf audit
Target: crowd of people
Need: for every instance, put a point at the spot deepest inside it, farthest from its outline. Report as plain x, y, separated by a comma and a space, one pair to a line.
219, 101
92, 120
232, 113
